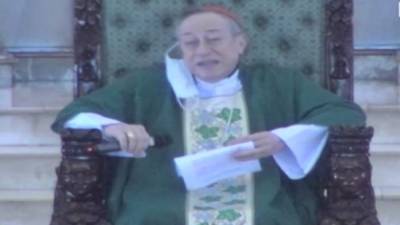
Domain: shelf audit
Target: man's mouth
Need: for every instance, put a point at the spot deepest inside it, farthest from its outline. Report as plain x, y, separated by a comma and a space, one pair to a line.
207, 63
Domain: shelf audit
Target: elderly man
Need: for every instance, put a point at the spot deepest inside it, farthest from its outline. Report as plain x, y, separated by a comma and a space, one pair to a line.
203, 100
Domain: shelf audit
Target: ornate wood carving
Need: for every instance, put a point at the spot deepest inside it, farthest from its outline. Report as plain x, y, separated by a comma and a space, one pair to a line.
87, 38
80, 195
347, 194
339, 47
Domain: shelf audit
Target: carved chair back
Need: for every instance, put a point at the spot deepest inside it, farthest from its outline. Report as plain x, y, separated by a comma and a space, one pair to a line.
113, 38
285, 33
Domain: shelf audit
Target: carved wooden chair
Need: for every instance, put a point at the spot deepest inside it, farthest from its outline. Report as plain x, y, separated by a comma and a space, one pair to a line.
313, 36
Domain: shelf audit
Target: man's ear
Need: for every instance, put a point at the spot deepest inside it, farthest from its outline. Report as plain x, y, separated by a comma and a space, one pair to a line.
242, 42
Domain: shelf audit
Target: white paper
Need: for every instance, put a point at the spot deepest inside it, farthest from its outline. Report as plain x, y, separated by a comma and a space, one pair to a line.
202, 169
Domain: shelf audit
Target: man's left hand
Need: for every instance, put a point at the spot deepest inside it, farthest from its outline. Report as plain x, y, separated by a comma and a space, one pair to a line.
265, 144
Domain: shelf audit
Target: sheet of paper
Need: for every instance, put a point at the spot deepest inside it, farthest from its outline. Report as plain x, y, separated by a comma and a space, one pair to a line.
202, 169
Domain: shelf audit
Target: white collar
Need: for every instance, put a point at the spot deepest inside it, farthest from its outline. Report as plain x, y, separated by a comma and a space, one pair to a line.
185, 86
228, 86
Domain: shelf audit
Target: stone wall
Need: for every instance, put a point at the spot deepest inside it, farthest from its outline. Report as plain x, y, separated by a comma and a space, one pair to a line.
377, 76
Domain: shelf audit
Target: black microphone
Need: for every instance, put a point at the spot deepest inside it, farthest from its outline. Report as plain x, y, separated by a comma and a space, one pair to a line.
112, 144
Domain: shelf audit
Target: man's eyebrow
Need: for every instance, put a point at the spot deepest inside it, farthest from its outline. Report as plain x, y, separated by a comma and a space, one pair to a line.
212, 30
187, 34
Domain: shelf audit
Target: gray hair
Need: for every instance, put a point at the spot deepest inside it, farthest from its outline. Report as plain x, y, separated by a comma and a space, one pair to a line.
234, 25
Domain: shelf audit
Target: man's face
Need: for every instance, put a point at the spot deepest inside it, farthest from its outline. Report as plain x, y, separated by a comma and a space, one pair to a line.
210, 49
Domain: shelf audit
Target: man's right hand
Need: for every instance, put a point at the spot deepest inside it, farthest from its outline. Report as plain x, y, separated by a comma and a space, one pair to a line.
131, 137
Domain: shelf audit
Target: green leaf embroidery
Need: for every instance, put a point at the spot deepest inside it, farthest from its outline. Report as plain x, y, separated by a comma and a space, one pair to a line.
236, 115
235, 202
207, 132
211, 198
201, 208
235, 189
228, 214
225, 114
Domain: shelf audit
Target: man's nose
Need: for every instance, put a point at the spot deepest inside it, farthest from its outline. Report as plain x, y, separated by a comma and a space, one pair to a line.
203, 48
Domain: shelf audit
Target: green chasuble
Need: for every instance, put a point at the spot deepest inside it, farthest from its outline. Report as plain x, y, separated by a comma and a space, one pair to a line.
147, 191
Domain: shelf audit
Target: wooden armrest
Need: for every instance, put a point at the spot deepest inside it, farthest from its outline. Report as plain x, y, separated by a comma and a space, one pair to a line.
80, 191
347, 196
